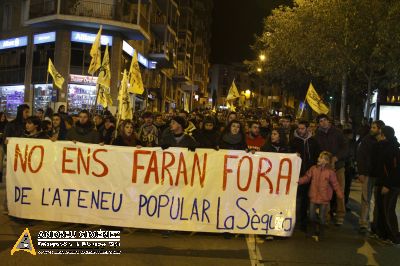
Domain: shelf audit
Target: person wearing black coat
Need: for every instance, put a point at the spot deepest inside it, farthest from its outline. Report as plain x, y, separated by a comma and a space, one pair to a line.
34, 129
233, 137
84, 130
386, 168
107, 132
59, 131
332, 140
364, 166
305, 145
176, 137
207, 136
16, 128
127, 136
276, 142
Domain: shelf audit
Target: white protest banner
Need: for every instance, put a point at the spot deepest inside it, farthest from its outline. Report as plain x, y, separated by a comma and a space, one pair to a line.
173, 189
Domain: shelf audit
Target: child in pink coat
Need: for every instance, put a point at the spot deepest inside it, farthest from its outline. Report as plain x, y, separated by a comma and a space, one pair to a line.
323, 181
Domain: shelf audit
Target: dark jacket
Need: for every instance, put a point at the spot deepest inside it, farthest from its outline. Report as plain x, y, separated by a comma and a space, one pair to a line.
38, 135
83, 133
106, 135
334, 142
181, 141
15, 128
120, 141
385, 164
269, 147
233, 146
207, 138
308, 149
364, 155
265, 132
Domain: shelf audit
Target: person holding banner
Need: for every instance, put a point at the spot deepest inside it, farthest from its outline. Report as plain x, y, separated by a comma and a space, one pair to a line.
176, 137
323, 181
276, 142
83, 130
254, 140
107, 133
59, 131
34, 129
127, 136
233, 137
148, 132
208, 135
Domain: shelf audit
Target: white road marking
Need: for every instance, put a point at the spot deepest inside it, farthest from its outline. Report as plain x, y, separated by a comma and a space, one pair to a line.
254, 251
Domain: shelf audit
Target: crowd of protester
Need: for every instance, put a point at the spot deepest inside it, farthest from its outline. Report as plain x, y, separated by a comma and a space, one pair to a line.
332, 155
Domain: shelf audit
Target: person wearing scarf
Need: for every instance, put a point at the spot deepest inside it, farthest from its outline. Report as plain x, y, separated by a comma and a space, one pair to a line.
127, 135
148, 132
233, 137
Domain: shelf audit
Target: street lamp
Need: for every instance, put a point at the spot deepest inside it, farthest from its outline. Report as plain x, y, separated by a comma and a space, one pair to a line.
247, 93
262, 57
259, 69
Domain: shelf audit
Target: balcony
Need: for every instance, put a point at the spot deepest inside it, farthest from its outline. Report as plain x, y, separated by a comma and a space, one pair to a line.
129, 17
163, 55
183, 73
152, 79
160, 23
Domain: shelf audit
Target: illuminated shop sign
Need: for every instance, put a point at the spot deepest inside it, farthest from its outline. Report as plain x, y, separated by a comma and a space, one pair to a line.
44, 37
90, 80
14, 42
85, 37
142, 60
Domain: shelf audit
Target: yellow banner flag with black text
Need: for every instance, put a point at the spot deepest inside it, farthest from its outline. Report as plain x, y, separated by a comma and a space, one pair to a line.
233, 92
95, 53
135, 77
315, 101
104, 99
124, 100
105, 72
57, 78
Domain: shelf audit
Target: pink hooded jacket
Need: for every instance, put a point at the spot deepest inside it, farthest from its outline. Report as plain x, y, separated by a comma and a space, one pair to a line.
323, 182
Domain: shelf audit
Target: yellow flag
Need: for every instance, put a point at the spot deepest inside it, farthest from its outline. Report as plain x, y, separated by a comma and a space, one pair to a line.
124, 100
233, 92
95, 53
135, 77
104, 99
57, 78
105, 72
315, 101
231, 107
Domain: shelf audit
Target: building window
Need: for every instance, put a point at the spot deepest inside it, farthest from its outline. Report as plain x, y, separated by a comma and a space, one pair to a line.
7, 16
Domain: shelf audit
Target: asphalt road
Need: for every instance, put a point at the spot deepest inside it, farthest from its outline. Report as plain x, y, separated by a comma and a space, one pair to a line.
341, 246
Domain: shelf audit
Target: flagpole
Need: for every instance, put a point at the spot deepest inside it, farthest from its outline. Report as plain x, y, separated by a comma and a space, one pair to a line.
47, 81
95, 101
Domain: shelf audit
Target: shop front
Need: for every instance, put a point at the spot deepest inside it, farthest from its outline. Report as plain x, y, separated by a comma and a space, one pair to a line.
10, 98
81, 93
43, 96
12, 74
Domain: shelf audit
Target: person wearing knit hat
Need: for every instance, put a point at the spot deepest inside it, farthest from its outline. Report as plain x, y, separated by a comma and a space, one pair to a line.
176, 137
180, 120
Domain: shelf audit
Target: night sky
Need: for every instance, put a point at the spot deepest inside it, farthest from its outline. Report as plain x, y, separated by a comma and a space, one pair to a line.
235, 22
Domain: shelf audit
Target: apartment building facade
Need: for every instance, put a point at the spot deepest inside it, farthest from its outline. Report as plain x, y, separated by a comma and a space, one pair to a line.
63, 30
